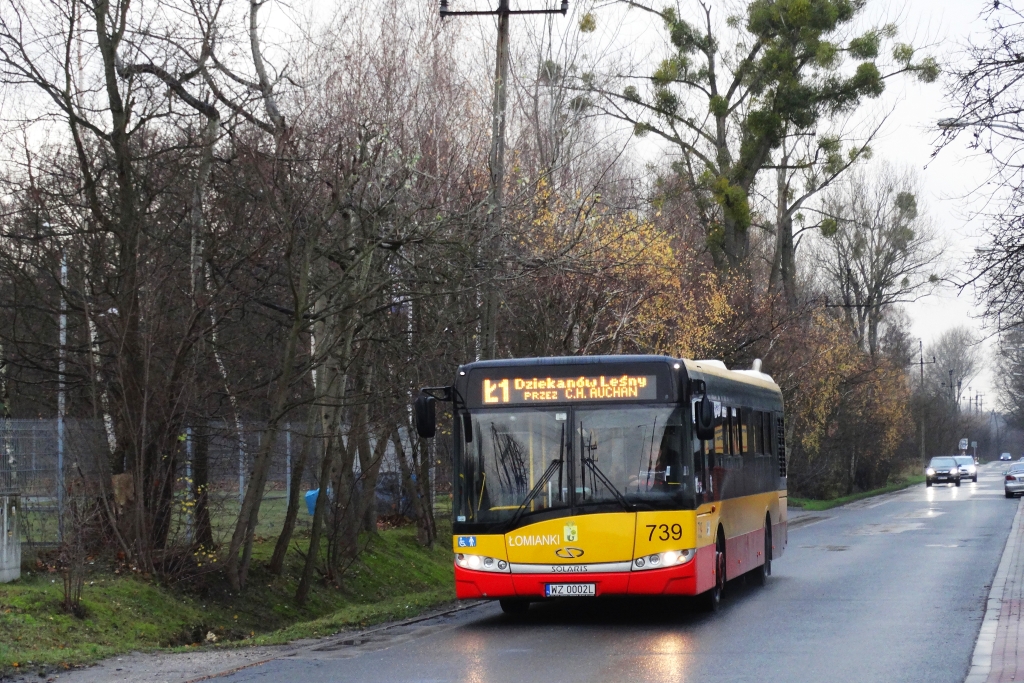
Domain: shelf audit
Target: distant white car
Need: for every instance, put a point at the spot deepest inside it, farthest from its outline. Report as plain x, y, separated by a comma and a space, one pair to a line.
968, 470
1005, 456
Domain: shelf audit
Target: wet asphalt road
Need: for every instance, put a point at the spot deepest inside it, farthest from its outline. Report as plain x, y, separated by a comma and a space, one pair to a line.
887, 589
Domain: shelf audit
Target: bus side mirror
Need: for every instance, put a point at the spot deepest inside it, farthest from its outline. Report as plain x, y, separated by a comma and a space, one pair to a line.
425, 416
704, 419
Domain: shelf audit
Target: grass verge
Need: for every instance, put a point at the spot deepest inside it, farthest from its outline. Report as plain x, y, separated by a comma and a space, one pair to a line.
817, 505
393, 578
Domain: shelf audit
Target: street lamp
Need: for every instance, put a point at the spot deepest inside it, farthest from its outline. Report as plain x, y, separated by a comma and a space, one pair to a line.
503, 8
953, 124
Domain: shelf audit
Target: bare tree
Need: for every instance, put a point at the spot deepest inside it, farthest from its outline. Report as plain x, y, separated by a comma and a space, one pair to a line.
958, 361
877, 250
987, 93
1009, 374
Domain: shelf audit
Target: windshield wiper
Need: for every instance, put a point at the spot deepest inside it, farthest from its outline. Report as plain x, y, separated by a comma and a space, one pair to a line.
611, 487
538, 487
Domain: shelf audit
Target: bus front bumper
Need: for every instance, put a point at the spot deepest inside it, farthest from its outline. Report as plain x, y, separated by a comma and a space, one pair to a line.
692, 578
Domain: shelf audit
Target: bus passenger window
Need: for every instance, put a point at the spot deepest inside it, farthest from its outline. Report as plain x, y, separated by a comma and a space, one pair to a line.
734, 431
756, 425
719, 447
744, 418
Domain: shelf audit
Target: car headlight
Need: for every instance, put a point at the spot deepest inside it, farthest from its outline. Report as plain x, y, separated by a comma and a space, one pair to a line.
955, 470
481, 563
669, 558
929, 471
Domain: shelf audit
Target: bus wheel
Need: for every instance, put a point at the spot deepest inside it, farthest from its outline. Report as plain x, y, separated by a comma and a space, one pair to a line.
514, 606
766, 569
713, 598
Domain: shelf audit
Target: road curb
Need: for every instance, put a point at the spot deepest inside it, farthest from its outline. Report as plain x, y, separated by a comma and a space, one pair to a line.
321, 643
981, 662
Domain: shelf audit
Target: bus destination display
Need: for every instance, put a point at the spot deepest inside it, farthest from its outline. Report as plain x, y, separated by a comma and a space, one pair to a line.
556, 389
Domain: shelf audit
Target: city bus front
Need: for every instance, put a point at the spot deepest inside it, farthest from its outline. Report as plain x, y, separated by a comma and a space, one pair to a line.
574, 479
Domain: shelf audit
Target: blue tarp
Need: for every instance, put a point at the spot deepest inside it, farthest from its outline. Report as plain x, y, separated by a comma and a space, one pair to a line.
311, 500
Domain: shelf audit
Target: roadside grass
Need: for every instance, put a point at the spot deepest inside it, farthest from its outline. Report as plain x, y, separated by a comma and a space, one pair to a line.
393, 578
818, 505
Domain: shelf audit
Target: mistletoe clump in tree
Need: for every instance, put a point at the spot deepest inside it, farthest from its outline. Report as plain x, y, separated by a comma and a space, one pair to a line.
729, 95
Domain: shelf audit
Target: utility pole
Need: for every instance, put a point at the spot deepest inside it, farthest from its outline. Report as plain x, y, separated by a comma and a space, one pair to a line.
999, 444
921, 362
61, 369
487, 301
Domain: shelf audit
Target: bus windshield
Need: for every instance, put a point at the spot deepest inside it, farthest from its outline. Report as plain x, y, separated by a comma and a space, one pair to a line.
526, 461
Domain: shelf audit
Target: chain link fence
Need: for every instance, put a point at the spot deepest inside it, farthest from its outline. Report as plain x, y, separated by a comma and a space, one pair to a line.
48, 460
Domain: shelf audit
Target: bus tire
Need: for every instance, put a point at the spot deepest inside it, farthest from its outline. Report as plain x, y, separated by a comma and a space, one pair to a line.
712, 599
765, 570
514, 606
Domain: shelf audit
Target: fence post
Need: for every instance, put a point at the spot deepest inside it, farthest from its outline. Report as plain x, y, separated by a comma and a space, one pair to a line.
188, 484
10, 538
241, 471
287, 465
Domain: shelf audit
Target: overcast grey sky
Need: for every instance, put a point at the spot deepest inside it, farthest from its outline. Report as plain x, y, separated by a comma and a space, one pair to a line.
950, 178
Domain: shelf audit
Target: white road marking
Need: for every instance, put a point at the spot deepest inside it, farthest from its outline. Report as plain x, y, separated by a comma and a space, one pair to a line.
894, 528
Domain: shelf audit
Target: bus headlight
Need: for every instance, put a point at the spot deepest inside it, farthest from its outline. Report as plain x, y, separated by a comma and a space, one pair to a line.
669, 558
481, 563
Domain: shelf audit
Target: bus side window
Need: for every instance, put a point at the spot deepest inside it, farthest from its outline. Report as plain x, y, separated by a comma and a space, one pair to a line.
780, 427
719, 446
737, 447
745, 432
757, 418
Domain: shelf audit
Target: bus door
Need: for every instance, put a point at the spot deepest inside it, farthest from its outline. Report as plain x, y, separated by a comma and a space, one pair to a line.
702, 482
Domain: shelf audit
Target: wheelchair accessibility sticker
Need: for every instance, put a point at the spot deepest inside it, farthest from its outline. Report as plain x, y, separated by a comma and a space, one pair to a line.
467, 541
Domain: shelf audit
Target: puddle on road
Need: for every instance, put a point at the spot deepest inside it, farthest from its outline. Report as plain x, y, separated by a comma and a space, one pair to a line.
890, 528
927, 513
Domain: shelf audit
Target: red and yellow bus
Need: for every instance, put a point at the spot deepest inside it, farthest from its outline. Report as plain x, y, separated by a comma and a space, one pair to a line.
612, 475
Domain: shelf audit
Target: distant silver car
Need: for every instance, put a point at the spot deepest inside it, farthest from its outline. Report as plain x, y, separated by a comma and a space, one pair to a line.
942, 468
968, 470
1013, 483
1005, 456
